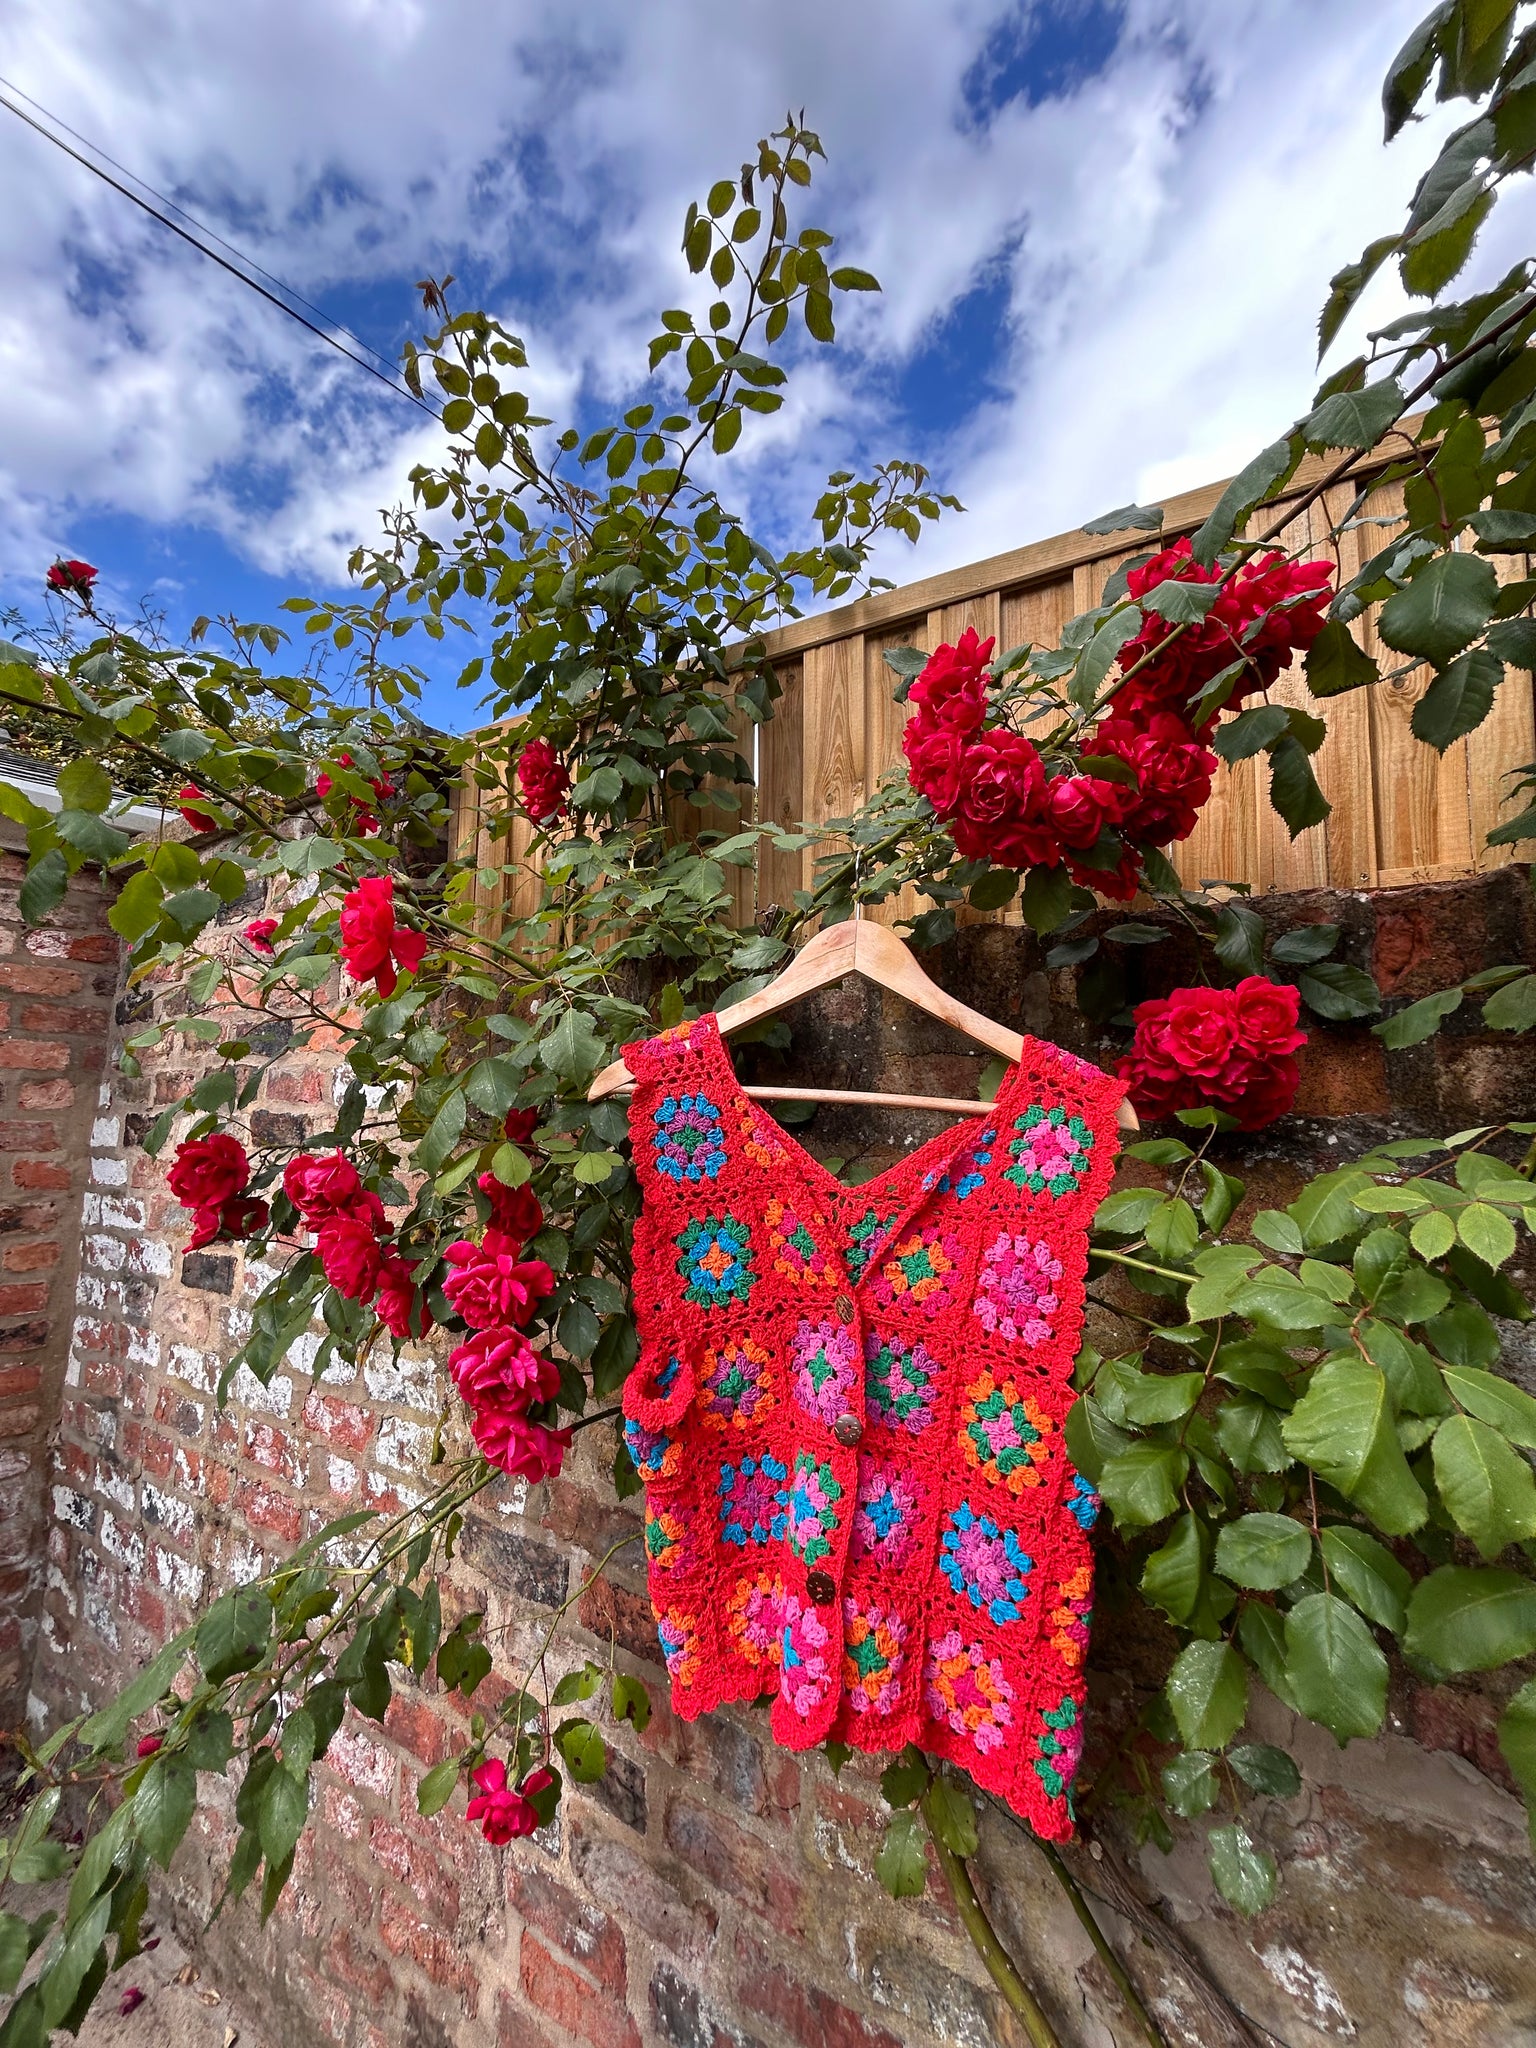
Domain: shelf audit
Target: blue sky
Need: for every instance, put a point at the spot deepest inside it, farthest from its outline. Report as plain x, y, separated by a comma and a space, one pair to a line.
1104, 228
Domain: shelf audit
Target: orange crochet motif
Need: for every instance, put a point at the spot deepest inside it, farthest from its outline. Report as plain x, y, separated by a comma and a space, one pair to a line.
848, 1415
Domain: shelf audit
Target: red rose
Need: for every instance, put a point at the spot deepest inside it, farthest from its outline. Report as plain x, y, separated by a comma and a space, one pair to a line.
258, 933
1275, 609
544, 779
189, 796
372, 944
226, 1222
401, 1307
951, 692
351, 1255
148, 1744
1000, 814
72, 578
1192, 1030
207, 1171
520, 1125
1264, 1017
364, 819
1079, 807
499, 1368
1119, 882
936, 764
1173, 774
321, 1188
501, 1814
1260, 1091
492, 1285
515, 1212
515, 1445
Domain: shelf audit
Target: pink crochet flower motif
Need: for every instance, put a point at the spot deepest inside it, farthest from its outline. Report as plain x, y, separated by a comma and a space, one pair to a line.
967, 1690
1016, 1289
806, 1673
884, 1517
825, 1358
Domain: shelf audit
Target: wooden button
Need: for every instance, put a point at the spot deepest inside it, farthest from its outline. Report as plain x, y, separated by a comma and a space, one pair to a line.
822, 1588
844, 1307
848, 1429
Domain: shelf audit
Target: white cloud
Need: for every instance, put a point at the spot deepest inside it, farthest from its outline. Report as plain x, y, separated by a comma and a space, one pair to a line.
1166, 233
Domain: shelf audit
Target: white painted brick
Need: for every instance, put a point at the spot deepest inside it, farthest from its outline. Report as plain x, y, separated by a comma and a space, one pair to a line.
152, 1257
143, 1347
90, 1210
404, 1446
106, 1132
109, 1172
376, 1486
276, 1399
191, 1366
72, 1507
124, 1544
167, 1511
90, 1292
116, 1488
341, 1474
106, 1254
238, 1323
405, 1382
178, 1575
120, 1212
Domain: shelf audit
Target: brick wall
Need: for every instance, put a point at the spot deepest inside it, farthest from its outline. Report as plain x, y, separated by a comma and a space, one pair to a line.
714, 1892
56, 991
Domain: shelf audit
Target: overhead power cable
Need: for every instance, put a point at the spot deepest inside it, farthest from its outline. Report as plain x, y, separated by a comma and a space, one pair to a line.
327, 334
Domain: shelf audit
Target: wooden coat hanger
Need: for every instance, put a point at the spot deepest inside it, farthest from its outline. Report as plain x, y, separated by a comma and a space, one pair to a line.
859, 946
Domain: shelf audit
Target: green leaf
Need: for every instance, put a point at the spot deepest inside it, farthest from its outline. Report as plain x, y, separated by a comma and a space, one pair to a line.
1441, 247
1336, 662
993, 889
1419, 1021
1248, 1431
1263, 1768
84, 785
443, 1133
1369, 1574
1343, 1428
1173, 1576
1468, 1619
1097, 658
1179, 602
437, 1787
1487, 1488
1274, 1228
1207, 1689
1261, 1631
1124, 518
901, 1863
1432, 1234
137, 909
233, 1633
573, 1051
1263, 1552
1509, 1408
16, 805
15, 1947
1173, 1229
1190, 1784
281, 1815
952, 1816
1513, 1007
1448, 603
1514, 641
1140, 1485
631, 1702
1305, 944
584, 1751
1338, 991
1336, 1671
1354, 419
43, 890
904, 1782
1517, 1740
1250, 487
1487, 1233
579, 1684
1458, 700
163, 1807
1294, 791
1244, 1874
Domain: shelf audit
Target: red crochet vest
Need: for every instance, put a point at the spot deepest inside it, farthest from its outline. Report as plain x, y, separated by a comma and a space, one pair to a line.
848, 1412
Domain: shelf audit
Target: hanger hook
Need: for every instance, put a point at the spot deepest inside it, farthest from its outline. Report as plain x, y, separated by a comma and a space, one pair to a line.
858, 865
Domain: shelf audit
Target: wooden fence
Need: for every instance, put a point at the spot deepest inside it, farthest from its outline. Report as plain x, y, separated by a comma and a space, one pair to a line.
1401, 812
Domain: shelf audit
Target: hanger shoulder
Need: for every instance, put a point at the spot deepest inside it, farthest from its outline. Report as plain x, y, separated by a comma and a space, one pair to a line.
880, 956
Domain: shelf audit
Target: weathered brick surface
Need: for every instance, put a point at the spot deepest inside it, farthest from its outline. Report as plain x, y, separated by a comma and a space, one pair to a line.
712, 1891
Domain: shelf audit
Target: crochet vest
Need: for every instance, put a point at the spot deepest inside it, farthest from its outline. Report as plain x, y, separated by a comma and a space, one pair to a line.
847, 1414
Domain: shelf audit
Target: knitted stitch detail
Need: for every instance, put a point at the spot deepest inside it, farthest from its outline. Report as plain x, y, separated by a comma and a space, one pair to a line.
848, 1414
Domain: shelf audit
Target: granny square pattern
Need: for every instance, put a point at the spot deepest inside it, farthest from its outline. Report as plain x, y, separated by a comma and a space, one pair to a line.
848, 1415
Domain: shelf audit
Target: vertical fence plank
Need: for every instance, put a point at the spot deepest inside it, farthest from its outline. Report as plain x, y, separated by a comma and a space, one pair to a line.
884, 721
781, 786
832, 693
1506, 739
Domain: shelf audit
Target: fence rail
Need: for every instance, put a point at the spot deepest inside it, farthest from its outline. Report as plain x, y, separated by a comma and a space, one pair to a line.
1401, 812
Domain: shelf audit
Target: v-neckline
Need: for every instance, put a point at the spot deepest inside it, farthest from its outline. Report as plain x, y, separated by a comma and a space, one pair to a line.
944, 1146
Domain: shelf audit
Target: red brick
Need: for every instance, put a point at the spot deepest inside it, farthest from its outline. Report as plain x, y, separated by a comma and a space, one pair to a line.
421, 1873
339, 1422
98, 946
571, 2002
265, 1509
346, 1958
613, 1612
71, 1018
441, 1956
805, 2013
418, 1728
274, 1451
46, 1094
26, 978
18, 1379
38, 1054
735, 1862
29, 1258
27, 1137
515, 2027
38, 1173
582, 1930
22, 1298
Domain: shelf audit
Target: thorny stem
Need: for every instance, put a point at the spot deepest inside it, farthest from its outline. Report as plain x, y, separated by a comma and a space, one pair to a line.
1142, 1266
1097, 1936
984, 1939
